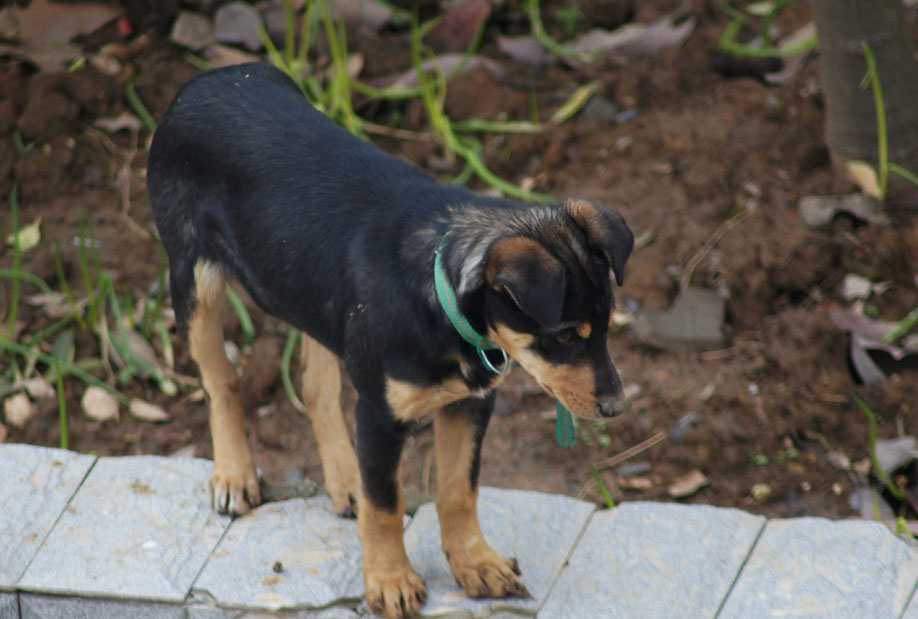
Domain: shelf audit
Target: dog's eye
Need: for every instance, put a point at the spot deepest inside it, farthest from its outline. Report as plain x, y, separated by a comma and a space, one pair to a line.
564, 338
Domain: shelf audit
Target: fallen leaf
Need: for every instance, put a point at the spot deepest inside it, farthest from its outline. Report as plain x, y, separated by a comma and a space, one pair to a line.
46, 30
3, 433
224, 56
525, 50
894, 453
458, 25
54, 304
368, 13
145, 411
18, 410
819, 211
238, 22
864, 176
855, 287
446, 63
124, 120
870, 504
39, 389
636, 40
192, 30
29, 236
98, 404
688, 484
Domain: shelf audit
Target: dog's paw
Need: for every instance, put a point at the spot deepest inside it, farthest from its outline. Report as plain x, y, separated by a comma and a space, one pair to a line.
234, 492
397, 593
342, 486
484, 572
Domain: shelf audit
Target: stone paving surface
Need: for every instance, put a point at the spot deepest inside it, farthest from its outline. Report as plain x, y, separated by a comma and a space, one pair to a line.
125, 537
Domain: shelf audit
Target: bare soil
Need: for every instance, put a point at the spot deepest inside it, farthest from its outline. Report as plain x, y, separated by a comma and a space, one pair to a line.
773, 406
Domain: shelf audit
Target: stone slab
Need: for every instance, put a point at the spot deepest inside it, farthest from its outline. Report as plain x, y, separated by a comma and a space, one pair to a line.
654, 560
35, 485
812, 567
35, 606
538, 529
139, 528
9, 606
911, 611
317, 553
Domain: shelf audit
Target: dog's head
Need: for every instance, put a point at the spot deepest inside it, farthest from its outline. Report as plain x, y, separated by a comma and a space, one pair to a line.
549, 301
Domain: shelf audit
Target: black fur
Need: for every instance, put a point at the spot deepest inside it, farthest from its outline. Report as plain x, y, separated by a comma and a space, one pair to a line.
337, 238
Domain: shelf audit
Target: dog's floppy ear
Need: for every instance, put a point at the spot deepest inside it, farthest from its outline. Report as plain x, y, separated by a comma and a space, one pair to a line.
532, 277
606, 231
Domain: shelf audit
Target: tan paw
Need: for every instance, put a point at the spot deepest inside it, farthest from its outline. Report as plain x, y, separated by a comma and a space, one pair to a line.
234, 493
395, 593
484, 572
342, 486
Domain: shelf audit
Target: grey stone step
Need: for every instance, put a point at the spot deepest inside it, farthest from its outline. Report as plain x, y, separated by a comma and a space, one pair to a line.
654, 560
812, 567
911, 611
35, 485
292, 554
9, 606
538, 529
139, 528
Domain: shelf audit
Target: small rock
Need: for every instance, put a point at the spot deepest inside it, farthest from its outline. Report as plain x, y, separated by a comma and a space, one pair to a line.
895, 453
238, 22
602, 109
686, 423
192, 30
635, 483
688, 484
695, 320
18, 410
760, 492
855, 287
870, 504
634, 469
98, 404
145, 411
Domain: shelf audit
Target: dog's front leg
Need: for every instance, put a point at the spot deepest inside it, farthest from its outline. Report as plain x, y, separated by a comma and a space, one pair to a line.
479, 569
392, 586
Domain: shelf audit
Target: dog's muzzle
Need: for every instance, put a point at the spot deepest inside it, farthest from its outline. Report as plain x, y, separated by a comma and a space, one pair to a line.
611, 406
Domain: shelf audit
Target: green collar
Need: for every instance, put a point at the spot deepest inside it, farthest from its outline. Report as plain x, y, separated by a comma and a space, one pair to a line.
446, 295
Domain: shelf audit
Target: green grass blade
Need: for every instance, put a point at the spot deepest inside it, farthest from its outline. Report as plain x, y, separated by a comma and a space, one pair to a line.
904, 173
61, 405
289, 346
603, 490
245, 320
130, 91
67, 368
880, 107
905, 325
872, 424
26, 277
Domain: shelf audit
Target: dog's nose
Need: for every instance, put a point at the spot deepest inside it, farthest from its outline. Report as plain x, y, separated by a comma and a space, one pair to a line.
611, 406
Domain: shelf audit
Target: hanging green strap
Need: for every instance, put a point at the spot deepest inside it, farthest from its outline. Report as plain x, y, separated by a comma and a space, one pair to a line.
447, 297
565, 433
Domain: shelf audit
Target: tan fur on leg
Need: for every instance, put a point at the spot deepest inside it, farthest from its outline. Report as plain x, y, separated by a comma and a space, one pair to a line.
479, 569
322, 397
392, 586
234, 483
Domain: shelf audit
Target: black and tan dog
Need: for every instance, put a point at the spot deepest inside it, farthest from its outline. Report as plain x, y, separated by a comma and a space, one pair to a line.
328, 233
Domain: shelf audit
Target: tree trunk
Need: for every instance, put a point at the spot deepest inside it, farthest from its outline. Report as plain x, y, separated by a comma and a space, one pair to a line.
851, 130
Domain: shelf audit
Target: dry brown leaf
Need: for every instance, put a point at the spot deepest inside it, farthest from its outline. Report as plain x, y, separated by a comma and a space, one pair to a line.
98, 404
18, 410
688, 484
145, 411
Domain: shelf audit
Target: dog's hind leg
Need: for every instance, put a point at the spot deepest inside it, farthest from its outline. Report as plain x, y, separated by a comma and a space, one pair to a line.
322, 397
479, 569
234, 483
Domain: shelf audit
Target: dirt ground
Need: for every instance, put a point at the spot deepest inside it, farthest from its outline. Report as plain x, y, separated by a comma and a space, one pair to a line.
773, 406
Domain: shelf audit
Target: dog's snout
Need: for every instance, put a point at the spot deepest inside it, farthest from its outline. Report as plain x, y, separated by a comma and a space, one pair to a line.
610, 406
